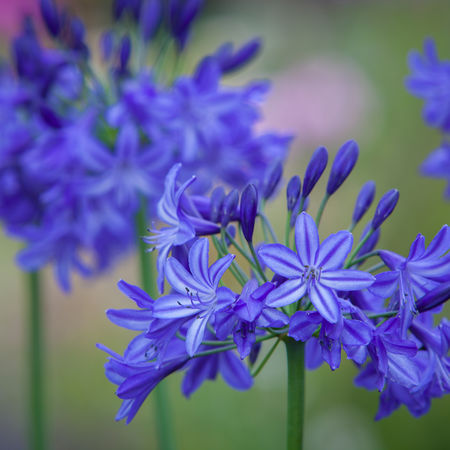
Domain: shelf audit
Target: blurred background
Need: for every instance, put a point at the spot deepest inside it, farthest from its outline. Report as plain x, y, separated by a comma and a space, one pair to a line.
338, 70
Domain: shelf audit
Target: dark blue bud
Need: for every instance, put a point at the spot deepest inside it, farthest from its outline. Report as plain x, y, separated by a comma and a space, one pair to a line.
125, 51
248, 210
217, 197
314, 171
77, 33
385, 207
271, 179
119, 8
50, 117
150, 17
51, 17
364, 200
370, 244
434, 298
343, 164
229, 207
242, 56
107, 44
293, 192
182, 13
254, 352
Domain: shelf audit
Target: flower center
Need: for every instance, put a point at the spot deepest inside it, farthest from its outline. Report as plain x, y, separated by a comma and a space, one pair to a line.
311, 273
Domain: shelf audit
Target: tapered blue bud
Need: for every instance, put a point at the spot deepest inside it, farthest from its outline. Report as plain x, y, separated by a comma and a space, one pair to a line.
385, 207
293, 192
314, 171
217, 197
182, 13
119, 8
434, 298
364, 200
271, 179
230, 62
51, 17
248, 210
229, 207
125, 51
343, 164
150, 17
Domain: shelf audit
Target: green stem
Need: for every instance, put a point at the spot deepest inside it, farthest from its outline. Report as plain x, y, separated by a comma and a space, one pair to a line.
296, 393
375, 267
37, 409
258, 265
163, 419
287, 240
266, 223
266, 358
358, 248
321, 208
239, 275
364, 257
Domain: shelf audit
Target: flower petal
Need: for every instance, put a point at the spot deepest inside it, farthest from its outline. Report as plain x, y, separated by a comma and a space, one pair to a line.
346, 279
217, 269
325, 301
173, 306
135, 293
234, 372
131, 319
198, 260
182, 281
196, 332
282, 260
306, 239
334, 249
288, 292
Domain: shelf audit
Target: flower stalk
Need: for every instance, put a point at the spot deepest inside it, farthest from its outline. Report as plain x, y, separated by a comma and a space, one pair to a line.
147, 274
37, 408
295, 352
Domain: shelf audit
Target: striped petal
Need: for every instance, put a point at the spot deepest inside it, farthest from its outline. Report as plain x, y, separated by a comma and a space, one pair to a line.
306, 239
282, 260
334, 249
288, 292
346, 279
325, 301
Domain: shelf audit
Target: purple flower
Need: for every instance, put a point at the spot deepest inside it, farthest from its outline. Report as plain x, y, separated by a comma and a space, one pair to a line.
314, 270
197, 295
437, 165
181, 228
412, 277
430, 80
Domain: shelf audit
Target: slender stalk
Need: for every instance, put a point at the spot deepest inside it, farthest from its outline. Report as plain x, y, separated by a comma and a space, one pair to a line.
37, 408
266, 358
296, 393
257, 263
266, 223
166, 438
349, 263
321, 208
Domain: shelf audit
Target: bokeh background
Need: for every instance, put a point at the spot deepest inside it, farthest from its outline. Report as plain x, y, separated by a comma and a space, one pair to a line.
338, 70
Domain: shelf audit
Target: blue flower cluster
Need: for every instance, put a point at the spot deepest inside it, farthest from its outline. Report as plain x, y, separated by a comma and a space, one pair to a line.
81, 151
320, 292
430, 80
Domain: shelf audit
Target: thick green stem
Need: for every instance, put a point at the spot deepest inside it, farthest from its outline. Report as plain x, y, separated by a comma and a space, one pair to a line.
166, 437
37, 409
296, 393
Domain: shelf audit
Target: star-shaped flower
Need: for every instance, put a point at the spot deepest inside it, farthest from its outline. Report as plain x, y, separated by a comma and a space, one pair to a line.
315, 270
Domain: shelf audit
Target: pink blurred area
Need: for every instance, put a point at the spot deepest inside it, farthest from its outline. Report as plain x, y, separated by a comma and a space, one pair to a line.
12, 13
319, 100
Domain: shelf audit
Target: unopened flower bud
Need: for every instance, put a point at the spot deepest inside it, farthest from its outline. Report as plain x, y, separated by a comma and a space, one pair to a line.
385, 207
229, 207
316, 166
293, 192
51, 17
364, 200
271, 179
343, 164
248, 210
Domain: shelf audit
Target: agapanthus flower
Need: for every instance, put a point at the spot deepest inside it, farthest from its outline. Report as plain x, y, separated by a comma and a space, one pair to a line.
430, 80
437, 165
314, 270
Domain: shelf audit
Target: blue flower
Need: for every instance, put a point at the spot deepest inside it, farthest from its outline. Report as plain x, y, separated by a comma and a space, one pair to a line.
412, 277
430, 80
182, 227
437, 165
197, 294
315, 270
